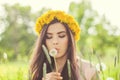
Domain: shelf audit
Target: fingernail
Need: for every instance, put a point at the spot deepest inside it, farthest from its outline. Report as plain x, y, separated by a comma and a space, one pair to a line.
61, 77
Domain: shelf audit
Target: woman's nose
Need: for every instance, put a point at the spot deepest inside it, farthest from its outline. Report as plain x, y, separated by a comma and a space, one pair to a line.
55, 41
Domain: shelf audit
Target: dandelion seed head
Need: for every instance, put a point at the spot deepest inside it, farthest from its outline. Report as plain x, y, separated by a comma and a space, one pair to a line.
109, 78
5, 55
100, 66
53, 52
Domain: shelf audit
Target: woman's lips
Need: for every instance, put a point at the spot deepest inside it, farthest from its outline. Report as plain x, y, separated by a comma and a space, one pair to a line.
57, 49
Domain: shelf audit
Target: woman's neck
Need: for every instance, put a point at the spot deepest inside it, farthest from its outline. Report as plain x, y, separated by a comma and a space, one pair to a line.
61, 62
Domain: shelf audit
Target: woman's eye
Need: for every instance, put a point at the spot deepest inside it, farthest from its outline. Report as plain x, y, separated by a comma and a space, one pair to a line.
48, 37
61, 36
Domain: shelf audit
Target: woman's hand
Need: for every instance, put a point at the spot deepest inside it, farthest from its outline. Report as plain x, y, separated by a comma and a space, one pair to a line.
53, 76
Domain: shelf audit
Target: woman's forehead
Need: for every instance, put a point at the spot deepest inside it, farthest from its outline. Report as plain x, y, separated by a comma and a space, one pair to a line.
56, 27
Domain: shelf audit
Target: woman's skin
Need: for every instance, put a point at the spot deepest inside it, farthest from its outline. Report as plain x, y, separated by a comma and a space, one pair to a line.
57, 34
57, 38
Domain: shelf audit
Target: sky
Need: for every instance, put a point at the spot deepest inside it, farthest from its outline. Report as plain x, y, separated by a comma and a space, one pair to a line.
109, 8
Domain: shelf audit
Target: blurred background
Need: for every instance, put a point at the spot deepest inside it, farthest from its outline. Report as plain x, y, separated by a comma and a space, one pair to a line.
99, 40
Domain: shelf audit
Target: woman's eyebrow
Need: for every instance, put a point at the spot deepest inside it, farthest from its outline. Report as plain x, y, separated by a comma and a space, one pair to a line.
49, 33
61, 32
57, 32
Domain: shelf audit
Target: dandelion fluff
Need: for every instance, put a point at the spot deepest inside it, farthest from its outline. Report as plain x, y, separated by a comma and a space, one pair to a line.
53, 52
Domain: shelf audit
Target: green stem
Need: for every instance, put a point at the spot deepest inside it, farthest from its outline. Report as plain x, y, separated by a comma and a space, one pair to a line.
69, 69
44, 70
47, 55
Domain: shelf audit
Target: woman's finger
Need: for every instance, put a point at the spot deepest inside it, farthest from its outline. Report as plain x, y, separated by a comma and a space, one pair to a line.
53, 76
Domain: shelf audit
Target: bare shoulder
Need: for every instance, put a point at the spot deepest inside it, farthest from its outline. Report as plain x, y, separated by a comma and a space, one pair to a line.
88, 69
85, 64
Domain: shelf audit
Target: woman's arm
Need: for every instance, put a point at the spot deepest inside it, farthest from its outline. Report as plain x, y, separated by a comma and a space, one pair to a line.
96, 76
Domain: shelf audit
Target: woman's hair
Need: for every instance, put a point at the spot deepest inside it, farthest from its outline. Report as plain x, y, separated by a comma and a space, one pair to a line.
38, 58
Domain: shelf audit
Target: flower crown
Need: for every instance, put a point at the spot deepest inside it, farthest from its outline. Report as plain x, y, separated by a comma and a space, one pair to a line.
62, 17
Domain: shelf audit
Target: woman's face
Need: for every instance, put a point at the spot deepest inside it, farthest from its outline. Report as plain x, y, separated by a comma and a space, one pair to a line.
57, 38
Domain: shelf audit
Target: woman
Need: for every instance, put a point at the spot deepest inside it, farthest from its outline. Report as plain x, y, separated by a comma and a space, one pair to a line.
58, 30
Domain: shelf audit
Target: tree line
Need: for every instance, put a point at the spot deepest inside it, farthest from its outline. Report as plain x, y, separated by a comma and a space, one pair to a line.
18, 36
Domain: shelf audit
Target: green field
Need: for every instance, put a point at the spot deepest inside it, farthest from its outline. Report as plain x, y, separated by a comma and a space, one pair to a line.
14, 71
19, 71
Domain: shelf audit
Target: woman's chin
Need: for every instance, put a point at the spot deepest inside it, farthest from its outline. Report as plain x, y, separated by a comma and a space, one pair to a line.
57, 56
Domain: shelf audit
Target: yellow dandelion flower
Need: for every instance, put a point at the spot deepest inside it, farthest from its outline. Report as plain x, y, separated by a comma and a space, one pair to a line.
62, 17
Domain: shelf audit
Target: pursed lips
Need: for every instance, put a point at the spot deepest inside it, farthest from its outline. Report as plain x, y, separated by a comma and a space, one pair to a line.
57, 49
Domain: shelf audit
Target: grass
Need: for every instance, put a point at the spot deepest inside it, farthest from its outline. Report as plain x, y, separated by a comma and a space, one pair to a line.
19, 70
111, 72
14, 71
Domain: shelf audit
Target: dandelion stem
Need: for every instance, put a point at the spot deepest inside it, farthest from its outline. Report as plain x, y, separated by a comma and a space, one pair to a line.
44, 70
47, 55
69, 69
55, 64
115, 61
103, 77
118, 53
90, 55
